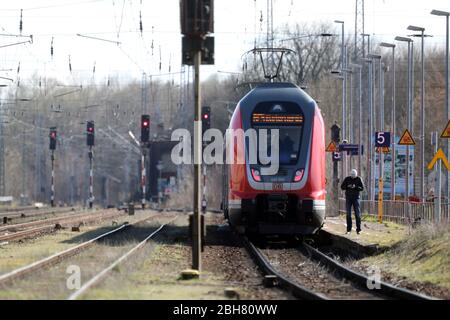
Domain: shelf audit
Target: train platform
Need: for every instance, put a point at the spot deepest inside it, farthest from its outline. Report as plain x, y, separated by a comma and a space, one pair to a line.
375, 237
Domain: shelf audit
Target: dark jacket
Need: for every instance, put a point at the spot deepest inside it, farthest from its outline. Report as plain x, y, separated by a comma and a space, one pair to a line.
352, 187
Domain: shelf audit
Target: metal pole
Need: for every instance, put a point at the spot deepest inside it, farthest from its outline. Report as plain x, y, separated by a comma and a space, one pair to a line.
381, 182
52, 198
422, 123
204, 190
373, 129
344, 113
196, 228
394, 129
381, 126
143, 177
91, 177
409, 122
360, 122
412, 87
438, 182
350, 124
369, 142
447, 193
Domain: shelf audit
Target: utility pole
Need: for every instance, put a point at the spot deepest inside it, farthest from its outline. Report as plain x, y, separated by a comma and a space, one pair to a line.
197, 21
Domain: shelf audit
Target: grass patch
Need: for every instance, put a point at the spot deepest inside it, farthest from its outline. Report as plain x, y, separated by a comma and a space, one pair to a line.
423, 256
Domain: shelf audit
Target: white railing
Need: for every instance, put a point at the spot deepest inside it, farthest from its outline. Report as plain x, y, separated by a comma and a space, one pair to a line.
402, 211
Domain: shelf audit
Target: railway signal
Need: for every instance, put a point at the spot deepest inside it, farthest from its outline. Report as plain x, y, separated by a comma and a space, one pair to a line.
145, 139
206, 119
145, 128
53, 136
90, 130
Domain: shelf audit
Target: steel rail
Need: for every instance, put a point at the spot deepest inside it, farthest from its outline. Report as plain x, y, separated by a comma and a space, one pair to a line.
361, 280
282, 281
57, 257
94, 280
35, 213
54, 220
51, 226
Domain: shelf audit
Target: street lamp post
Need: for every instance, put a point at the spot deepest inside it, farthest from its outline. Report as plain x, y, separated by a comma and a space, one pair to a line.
422, 108
394, 143
344, 86
341, 77
381, 118
364, 36
360, 121
410, 42
447, 15
370, 132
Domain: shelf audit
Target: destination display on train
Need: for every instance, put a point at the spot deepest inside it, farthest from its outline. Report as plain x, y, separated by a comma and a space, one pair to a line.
286, 119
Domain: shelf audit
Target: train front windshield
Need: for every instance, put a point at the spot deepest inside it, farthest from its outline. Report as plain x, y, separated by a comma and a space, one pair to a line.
286, 117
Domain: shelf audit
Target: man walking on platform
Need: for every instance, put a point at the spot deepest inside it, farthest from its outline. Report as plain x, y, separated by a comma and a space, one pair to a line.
353, 186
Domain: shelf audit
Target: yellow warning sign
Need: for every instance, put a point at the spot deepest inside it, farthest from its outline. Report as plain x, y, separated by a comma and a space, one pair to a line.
332, 147
384, 150
440, 155
446, 133
407, 139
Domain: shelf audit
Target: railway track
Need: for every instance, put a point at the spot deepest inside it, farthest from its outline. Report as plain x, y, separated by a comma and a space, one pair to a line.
29, 229
308, 274
9, 217
361, 280
100, 275
55, 259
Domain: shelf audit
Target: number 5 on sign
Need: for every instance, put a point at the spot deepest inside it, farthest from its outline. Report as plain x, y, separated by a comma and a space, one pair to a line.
382, 139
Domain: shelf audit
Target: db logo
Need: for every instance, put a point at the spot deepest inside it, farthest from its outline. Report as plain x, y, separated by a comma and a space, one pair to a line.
278, 186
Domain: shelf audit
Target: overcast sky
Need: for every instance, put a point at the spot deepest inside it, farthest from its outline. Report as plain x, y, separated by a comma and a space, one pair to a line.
118, 20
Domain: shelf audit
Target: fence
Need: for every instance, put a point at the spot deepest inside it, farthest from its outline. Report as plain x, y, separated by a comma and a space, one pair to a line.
402, 211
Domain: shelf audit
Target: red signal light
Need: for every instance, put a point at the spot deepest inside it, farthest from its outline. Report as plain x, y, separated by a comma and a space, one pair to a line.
205, 116
145, 124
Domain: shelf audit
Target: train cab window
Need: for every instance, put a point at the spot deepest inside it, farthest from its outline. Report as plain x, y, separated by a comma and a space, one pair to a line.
288, 119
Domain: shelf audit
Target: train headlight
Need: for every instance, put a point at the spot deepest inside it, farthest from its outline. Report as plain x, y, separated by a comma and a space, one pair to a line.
299, 175
256, 175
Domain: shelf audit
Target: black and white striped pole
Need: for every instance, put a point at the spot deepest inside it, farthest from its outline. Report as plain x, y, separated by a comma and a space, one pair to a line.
53, 136
91, 142
52, 197
143, 178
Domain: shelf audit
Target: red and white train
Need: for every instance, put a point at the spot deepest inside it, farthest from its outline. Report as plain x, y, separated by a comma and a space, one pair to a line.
292, 201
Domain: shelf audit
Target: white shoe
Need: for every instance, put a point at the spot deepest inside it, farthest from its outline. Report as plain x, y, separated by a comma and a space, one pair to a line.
348, 232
